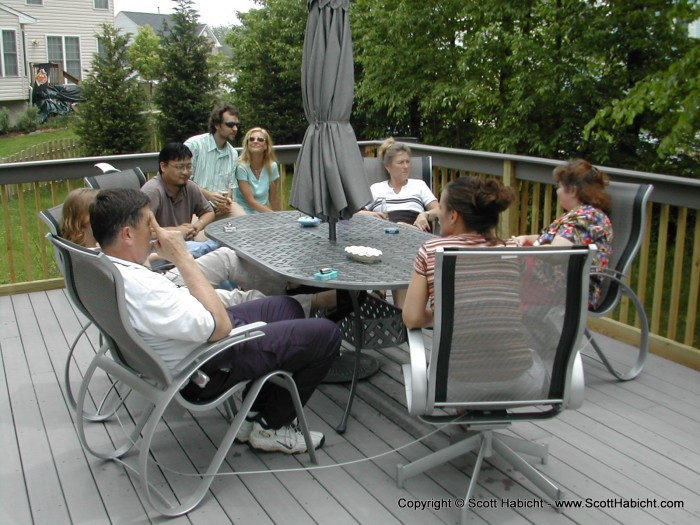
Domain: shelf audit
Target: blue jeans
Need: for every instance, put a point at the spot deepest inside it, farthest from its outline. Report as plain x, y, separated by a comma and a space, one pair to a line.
197, 249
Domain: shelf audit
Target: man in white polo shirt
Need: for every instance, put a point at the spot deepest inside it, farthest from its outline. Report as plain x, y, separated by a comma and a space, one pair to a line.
175, 320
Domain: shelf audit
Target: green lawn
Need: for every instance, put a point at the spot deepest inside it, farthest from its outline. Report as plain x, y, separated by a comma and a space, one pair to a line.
10, 144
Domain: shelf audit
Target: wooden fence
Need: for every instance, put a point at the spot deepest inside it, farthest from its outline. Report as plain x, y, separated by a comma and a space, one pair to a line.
54, 149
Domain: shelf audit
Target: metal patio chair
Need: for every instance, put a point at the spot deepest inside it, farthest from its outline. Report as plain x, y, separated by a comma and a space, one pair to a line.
52, 217
628, 216
135, 364
132, 178
501, 354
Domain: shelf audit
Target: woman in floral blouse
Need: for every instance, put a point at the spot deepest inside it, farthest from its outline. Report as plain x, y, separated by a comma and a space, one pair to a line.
581, 192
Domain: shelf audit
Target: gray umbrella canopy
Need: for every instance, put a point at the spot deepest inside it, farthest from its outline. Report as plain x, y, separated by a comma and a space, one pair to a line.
329, 181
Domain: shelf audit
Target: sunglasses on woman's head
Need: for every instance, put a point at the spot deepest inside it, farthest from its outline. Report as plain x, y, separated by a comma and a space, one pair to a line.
256, 139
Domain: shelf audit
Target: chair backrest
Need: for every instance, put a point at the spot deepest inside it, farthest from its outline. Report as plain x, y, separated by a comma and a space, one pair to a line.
133, 178
421, 168
507, 325
53, 217
628, 217
97, 289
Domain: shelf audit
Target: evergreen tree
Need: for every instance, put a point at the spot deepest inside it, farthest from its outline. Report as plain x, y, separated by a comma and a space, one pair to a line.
184, 94
111, 119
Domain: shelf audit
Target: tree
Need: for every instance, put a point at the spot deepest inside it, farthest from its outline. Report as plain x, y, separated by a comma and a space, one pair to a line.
526, 77
145, 54
641, 42
662, 105
111, 120
185, 93
267, 49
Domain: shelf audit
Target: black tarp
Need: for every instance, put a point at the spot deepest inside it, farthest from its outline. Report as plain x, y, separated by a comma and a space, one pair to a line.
55, 100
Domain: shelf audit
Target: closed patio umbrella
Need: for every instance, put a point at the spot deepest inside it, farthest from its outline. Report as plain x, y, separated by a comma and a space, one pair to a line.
329, 181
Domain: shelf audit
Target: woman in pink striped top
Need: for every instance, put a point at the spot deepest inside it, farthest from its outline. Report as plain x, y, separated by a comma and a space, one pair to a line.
469, 212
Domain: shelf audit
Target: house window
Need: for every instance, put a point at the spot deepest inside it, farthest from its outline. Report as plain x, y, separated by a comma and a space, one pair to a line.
66, 51
10, 66
35, 2
101, 4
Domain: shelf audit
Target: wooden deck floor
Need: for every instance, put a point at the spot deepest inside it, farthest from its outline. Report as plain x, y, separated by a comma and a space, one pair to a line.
632, 442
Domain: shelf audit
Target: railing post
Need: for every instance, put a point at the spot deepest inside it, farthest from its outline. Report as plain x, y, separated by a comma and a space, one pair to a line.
509, 219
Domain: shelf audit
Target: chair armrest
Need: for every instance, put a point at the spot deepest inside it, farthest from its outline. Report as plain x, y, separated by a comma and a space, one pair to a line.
415, 374
204, 353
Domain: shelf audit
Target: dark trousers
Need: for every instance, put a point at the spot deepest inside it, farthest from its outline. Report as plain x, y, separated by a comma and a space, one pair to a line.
304, 347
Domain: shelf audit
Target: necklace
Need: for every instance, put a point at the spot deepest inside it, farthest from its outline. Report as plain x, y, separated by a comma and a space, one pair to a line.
396, 187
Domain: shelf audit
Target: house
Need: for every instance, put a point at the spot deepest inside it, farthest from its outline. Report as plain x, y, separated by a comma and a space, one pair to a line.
38, 32
131, 22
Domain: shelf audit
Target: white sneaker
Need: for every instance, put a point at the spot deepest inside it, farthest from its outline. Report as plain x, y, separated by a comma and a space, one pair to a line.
244, 432
288, 439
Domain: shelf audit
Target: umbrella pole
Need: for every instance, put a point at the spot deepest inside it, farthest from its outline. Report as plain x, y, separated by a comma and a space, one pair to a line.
331, 230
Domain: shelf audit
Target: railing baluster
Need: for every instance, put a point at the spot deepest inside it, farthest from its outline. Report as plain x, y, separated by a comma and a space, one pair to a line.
657, 299
8, 234
694, 287
677, 274
29, 274
40, 233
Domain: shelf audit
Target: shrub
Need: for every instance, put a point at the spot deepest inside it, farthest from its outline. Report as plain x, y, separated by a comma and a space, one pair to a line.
4, 121
59, 121
28, 121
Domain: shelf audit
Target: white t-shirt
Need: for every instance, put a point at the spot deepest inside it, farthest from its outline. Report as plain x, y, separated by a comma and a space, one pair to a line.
170, 319
414, 196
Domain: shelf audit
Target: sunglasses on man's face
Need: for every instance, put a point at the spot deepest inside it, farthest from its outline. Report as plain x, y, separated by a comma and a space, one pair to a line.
232, 125
256, 139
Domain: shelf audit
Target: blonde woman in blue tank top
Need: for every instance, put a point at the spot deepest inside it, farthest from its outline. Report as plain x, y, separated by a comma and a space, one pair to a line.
257, 173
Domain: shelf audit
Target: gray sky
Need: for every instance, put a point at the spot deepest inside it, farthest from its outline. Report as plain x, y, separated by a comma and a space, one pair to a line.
211, 12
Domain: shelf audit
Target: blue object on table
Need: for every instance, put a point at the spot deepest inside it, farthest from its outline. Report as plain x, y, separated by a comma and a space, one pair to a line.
327, 275
197, 249
307, 221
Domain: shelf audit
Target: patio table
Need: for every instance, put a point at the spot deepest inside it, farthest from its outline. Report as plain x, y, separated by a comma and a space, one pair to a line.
278, 242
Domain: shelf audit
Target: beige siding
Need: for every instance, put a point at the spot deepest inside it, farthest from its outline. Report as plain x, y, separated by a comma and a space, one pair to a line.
63, 18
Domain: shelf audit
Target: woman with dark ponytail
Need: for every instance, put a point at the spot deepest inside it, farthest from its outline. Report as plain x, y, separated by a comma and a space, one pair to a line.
581, 192
469, 210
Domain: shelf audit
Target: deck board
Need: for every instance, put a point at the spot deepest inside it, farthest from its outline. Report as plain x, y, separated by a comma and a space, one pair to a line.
12, 489
633, 440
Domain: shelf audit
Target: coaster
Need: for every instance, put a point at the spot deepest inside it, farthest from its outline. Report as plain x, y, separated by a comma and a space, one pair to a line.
341, 370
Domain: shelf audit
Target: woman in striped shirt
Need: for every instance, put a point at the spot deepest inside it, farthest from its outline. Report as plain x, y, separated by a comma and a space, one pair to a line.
469, 210
400, 199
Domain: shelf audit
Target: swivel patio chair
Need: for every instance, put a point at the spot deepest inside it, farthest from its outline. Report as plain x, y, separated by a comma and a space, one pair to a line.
628, 216
132, 178
135, 364
502, 353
